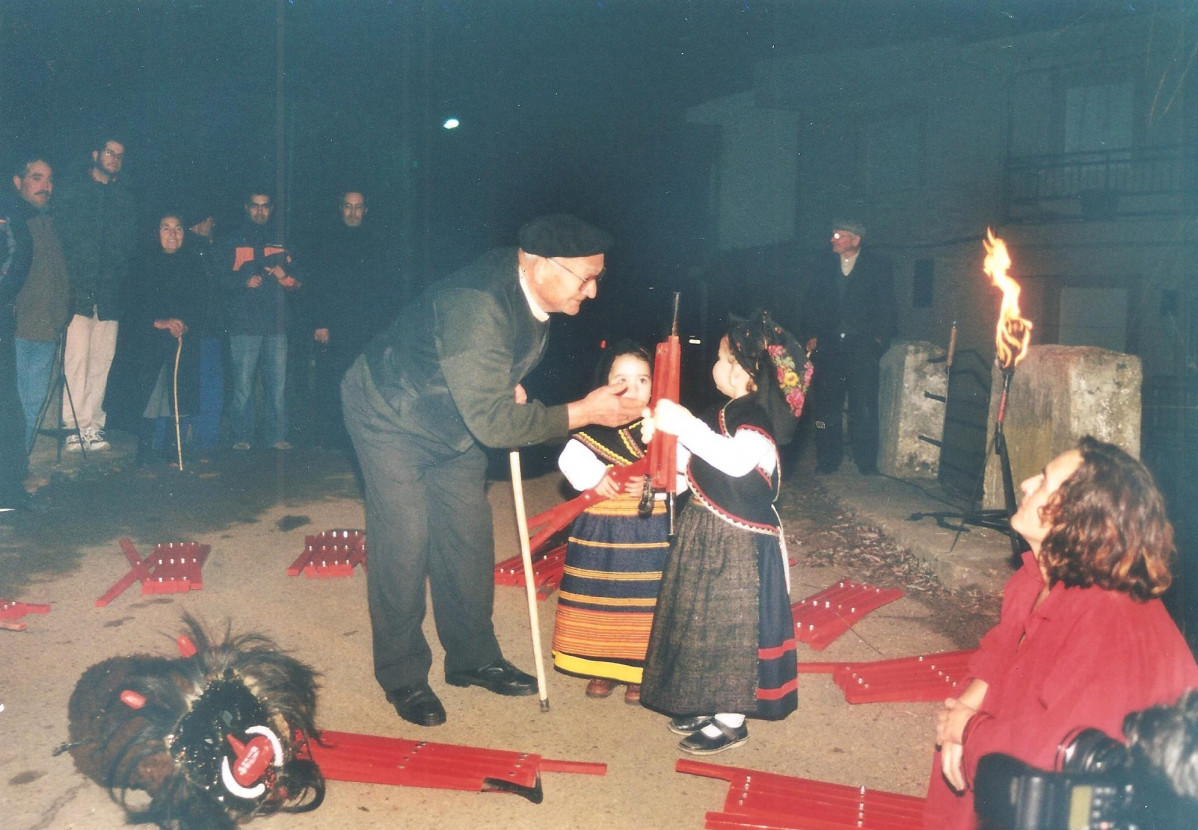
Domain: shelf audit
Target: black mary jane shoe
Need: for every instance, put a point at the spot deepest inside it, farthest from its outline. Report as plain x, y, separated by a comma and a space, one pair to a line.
689, 725
700, 744
500, 677
417, 704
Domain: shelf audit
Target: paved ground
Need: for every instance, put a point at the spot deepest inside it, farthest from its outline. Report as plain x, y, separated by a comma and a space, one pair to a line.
254, 511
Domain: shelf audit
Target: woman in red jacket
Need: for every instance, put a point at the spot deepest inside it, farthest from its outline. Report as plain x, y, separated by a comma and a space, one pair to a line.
1083, 639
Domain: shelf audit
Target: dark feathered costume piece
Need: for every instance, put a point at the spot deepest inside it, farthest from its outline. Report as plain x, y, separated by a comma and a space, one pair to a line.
210, 737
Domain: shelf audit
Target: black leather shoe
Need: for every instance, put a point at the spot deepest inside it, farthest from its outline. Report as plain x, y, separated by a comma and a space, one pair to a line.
417, 704
500, 677
700, 744
687, 726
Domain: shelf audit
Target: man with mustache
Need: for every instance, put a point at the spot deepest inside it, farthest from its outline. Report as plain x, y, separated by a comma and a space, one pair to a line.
43, 305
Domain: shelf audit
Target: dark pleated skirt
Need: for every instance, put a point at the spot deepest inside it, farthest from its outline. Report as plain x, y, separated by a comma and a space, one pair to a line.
723, 637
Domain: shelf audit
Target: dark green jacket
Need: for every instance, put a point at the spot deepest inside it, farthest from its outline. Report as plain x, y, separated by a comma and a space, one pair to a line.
96, 225
449, 364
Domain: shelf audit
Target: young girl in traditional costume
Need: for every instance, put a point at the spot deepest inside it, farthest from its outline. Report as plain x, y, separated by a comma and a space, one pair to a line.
722, 645
614, 558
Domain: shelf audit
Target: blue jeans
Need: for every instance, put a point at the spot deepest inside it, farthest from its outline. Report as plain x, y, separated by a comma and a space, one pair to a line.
35, 364
250, 353
205, 425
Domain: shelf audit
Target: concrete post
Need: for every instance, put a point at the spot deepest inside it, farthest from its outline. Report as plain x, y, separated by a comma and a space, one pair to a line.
911, 401
1059, 394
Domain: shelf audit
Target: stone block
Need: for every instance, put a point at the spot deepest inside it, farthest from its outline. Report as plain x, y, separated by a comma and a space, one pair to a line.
1057, 395
911, 398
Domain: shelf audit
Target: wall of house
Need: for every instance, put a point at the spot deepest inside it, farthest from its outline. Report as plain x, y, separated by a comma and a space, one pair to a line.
914, 139
756, 178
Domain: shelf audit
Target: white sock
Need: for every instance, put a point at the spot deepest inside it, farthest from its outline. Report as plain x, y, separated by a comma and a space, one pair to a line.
732, 721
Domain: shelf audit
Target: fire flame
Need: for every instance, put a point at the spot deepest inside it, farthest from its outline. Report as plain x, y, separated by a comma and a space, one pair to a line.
1014, 332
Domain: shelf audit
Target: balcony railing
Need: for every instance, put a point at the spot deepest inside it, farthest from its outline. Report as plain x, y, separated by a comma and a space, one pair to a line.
1109, 184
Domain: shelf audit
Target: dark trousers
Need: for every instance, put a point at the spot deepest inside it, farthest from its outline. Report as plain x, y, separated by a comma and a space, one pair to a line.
205, 426
332, 361
848, 371
427, 519
12, 425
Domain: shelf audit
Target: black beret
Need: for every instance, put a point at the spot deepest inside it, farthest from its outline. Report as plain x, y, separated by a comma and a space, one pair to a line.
562, 235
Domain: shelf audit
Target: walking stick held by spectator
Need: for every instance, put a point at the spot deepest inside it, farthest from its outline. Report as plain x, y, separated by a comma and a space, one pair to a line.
529, 589
175, 399
663, 450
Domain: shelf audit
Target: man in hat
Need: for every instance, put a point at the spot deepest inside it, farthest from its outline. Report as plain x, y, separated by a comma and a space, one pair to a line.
848, 319
428, 393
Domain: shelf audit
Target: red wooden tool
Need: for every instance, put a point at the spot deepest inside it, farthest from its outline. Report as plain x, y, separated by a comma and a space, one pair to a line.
926, 677
824, 616
170, 568
11, 610
667, 375
330, 553
546, 571
369, 759
547, 566
765, 801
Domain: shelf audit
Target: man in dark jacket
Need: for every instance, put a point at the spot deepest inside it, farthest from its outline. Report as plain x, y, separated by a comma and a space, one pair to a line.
259, 275
16, 254
44, 305
848, 319
353, 293
433, 389
96, 223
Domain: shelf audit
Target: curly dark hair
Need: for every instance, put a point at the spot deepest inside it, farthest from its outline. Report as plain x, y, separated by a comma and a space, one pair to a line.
1108, 527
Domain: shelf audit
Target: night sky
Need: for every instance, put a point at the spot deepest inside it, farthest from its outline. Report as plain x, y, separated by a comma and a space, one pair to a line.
565, 105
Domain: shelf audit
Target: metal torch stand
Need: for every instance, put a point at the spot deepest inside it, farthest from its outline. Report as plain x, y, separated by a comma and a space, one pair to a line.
995, 519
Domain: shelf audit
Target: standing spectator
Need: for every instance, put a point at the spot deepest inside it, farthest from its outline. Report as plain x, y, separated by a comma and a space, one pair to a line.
353, 295
16, 253
43, 305
848, 319
259, 273
170, 283
434, 388
205, 425
97, 229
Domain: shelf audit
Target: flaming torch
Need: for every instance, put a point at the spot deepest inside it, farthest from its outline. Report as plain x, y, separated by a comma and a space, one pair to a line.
1011, 339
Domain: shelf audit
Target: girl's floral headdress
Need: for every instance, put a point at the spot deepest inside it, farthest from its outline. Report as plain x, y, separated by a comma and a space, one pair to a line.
778, 364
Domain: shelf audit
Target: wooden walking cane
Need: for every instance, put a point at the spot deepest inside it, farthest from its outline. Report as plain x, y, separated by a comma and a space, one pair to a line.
529, 589
175, 397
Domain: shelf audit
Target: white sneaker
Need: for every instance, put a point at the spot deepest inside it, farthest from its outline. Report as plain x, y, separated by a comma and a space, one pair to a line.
95, 439
73, 443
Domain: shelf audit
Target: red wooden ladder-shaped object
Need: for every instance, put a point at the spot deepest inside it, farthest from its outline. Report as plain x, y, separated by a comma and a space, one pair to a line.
330, 553
765, 801
369, 759
824, 616
170, 568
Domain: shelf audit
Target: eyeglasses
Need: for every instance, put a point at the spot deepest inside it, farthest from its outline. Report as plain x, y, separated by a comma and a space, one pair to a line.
582, 281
